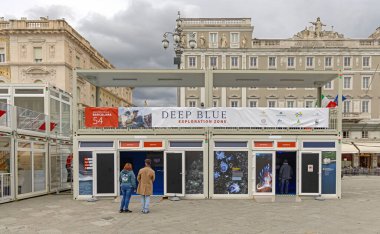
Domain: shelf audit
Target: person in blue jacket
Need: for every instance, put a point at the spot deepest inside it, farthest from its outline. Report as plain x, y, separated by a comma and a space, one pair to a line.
127, 185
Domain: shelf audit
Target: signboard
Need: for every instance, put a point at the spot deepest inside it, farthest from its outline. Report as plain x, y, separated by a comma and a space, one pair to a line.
101, 117
263, 144
148, 117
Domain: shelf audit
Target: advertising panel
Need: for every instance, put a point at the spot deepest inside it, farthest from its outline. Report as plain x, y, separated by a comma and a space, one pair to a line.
147, 117
264, 173
329, 172
101, 117
230, 172
85, 173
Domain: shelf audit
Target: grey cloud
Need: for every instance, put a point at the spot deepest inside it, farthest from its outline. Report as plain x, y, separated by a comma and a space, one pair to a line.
52, 11
155, 96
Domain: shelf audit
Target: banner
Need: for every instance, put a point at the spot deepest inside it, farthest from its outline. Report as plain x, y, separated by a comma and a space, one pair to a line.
147, 117
101, 117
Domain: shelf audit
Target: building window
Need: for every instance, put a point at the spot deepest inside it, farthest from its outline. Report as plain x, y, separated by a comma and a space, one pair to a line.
272, 62
366, 81
234, 103
234, 40
2, 55
364, 134
328, 62
77, 59
213, 62
253, 62
365, 106
192, 103
346, 106
215, 103
329, 85
192, 88
253, 103
272, 103
192, 62
346, 134
366, 62
309, 103
290, 62
234, 62
309, 62
213, 40
347, 82
78, 94
37, 54
290, 104
347, 61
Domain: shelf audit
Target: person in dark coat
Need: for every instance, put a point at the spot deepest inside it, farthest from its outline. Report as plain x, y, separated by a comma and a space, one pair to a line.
286, 174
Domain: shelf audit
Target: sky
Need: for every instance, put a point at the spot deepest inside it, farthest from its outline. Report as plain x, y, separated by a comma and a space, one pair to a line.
129, 32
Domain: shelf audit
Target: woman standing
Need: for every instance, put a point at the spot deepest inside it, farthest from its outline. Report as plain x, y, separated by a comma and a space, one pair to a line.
127, 185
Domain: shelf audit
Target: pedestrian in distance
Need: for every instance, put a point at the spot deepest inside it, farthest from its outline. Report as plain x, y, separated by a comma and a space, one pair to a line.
145, 178
286, 174
127, 185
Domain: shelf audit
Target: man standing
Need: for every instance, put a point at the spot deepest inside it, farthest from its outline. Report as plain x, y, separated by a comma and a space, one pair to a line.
145, 178
286, 174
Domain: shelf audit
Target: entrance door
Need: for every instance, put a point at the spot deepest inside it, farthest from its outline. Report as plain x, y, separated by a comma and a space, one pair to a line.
264, 177
310, 173
105, 180
174, 173
286, 173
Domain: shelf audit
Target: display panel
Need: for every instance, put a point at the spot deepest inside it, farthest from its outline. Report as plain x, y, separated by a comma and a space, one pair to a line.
194, 172
105, 173
329, 172
231, 172
264, 173
174, 173
85, 172
310, 173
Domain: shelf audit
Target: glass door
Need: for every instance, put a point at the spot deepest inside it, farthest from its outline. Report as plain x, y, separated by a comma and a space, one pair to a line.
174, 173
310, 181
105, 174
264, 182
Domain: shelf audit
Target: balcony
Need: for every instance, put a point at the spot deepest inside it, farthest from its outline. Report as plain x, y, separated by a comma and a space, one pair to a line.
29, 122
356, 116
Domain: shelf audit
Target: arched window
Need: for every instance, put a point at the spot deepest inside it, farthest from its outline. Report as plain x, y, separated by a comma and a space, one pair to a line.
38, 82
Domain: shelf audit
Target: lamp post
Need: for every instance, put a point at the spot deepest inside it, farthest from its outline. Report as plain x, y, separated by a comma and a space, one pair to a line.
179, 40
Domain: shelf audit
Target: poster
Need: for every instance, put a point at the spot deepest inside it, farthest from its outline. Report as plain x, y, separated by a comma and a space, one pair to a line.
230, 172
329, 172
85, 172
148, 117
264, 173
101, 117
194, 172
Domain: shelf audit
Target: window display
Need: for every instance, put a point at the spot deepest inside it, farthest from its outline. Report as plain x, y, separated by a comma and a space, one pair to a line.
85, 173
264, 173
194, 172
231, 172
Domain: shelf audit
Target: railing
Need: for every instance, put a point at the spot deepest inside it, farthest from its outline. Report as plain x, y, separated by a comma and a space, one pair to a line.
5, 115
5, 185
356, 115
31, 120
356, 171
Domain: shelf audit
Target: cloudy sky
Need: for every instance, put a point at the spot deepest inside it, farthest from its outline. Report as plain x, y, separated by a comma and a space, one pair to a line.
129, 32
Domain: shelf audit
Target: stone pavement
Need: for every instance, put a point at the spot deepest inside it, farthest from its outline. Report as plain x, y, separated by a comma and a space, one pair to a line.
357, 212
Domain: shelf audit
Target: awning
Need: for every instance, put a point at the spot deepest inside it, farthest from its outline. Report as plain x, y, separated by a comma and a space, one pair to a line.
368, 147
348, 148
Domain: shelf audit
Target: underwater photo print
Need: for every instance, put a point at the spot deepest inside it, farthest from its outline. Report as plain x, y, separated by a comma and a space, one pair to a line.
231, 172
264, 172
194, 172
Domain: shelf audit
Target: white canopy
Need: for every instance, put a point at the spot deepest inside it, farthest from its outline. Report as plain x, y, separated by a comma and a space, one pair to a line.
348, 148
373, 147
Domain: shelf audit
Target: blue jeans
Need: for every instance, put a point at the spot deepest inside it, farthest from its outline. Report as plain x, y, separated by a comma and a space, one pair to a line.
126, 191
284, 183
145, 200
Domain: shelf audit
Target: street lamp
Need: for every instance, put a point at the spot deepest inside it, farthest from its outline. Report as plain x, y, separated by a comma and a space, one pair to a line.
179, 40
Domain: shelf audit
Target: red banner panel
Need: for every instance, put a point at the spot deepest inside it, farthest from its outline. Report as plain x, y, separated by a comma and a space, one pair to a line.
101, 117
263, 144
291, 144
153, 144
127, 144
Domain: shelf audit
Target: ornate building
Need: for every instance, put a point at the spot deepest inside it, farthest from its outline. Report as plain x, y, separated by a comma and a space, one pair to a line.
47, 51
228, 43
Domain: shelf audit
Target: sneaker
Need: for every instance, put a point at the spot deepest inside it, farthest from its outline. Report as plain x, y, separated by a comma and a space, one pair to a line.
128, 211
121, 211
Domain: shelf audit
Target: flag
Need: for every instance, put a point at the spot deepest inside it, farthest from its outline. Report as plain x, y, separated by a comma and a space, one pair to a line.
336, 99
327, 103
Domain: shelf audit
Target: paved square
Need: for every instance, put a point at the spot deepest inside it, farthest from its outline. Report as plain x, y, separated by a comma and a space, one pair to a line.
357, 212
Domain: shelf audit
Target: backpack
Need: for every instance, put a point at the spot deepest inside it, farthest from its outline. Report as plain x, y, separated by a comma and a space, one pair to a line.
124, 178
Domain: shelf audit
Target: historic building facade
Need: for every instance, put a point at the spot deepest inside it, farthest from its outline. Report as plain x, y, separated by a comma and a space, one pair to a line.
229, 43
47, 51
